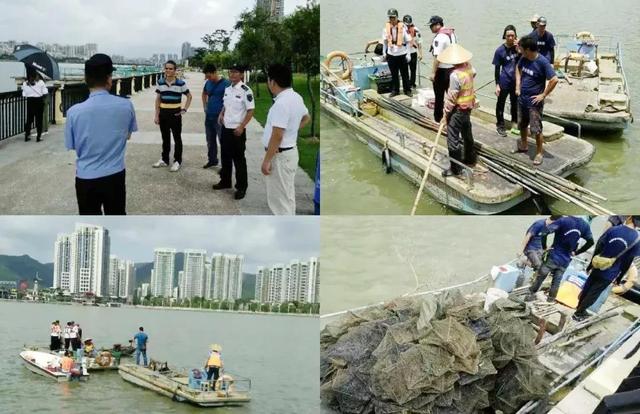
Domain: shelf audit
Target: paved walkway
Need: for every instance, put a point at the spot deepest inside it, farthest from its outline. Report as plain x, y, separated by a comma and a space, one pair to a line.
38, 178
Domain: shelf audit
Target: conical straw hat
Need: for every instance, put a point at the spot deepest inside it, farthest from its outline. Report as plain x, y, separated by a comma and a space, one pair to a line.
455, 55
216, 347
534, 18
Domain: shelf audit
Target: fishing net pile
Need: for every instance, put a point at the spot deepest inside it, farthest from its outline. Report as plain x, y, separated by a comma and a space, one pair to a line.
432, 355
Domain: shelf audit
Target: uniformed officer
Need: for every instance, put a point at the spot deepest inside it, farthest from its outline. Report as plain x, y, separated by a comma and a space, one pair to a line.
415, 48
444, 36
395, 41
236, 113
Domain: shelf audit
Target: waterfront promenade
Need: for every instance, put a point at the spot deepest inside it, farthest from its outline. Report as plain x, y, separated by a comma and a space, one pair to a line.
38, 178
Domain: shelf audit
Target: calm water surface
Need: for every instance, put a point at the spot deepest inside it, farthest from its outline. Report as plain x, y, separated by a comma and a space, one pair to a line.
279, 354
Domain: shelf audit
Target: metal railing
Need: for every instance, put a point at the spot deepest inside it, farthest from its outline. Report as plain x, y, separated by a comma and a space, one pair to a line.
125, 87
73, 93
13, 112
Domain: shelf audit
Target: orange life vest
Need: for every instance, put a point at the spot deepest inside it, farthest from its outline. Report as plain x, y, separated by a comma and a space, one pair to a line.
214, 360
399, 34
466, 97
66, 364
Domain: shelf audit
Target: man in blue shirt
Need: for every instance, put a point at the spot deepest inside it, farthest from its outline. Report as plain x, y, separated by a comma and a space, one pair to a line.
567, 232
212, 101
532, 72
141, 339
621, 242
532, 243
505, 60
98, 130
544, 40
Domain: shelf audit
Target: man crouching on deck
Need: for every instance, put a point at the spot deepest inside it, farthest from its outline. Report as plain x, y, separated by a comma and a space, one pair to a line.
458, 104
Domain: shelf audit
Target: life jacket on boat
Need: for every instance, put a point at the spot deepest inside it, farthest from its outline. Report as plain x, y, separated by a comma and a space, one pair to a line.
66, 364
466, 97
214, 360
399, 34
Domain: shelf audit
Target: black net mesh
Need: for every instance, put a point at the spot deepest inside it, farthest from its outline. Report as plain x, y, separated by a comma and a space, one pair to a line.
436, 354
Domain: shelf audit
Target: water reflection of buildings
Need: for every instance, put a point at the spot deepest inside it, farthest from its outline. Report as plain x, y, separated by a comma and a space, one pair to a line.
297, 281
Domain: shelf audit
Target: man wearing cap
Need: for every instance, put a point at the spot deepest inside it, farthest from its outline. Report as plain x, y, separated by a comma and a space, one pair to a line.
534, 21
457, 108
395, 41
98, 129
237, 111
544, 39
212, 95
286, 117
621, 243
532, 72
415, 48
169, 113
444, 36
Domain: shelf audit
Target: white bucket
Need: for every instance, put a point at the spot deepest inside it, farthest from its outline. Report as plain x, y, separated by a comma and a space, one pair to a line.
493, 294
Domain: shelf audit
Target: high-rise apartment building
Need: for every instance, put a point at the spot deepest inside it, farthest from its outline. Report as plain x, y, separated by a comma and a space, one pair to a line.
81, 262
164, 269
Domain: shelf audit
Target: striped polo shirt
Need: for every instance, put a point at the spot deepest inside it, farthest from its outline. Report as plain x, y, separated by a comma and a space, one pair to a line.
171, 94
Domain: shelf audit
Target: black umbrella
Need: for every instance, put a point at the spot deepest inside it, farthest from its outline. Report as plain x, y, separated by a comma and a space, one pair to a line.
36, 59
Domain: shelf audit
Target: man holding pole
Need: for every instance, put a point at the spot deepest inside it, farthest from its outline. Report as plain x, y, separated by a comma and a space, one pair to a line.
458, 104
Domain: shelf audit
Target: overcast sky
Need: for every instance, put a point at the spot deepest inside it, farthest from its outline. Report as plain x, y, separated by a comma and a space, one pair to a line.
133, 28
262, 240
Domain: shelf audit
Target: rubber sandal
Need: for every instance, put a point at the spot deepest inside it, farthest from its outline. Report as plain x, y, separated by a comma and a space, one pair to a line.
520, 151
538, 159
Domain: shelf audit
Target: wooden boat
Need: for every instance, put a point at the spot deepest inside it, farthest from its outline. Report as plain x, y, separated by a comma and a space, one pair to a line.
589, 360
593, 90
48, 365
232, 391
409, 145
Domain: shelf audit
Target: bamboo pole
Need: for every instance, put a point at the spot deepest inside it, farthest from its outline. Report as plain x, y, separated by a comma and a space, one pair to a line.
426, 172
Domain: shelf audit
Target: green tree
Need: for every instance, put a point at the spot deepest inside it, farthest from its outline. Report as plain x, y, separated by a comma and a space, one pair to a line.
219, 40
303, 27
263, 41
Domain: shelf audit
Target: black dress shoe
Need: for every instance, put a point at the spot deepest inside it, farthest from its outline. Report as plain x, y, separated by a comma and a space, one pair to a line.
239, 195
392, 94
449, 173
209, 165
221, 186
409, 94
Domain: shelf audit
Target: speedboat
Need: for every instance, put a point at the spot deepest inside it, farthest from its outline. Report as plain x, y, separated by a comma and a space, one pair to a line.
48, 365
191, 387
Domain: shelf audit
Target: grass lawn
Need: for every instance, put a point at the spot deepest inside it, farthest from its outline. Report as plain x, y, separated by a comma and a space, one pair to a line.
307, 146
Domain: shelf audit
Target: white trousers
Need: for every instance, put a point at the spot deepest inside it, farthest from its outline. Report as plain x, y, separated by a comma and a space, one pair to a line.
281, 192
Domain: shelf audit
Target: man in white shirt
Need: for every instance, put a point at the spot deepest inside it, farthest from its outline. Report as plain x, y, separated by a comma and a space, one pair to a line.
286, 117
395, 42
444, 36
415, 48
236, 113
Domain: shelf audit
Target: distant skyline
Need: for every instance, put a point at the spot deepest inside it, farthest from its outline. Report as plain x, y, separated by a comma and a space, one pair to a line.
131, 28
263, 241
